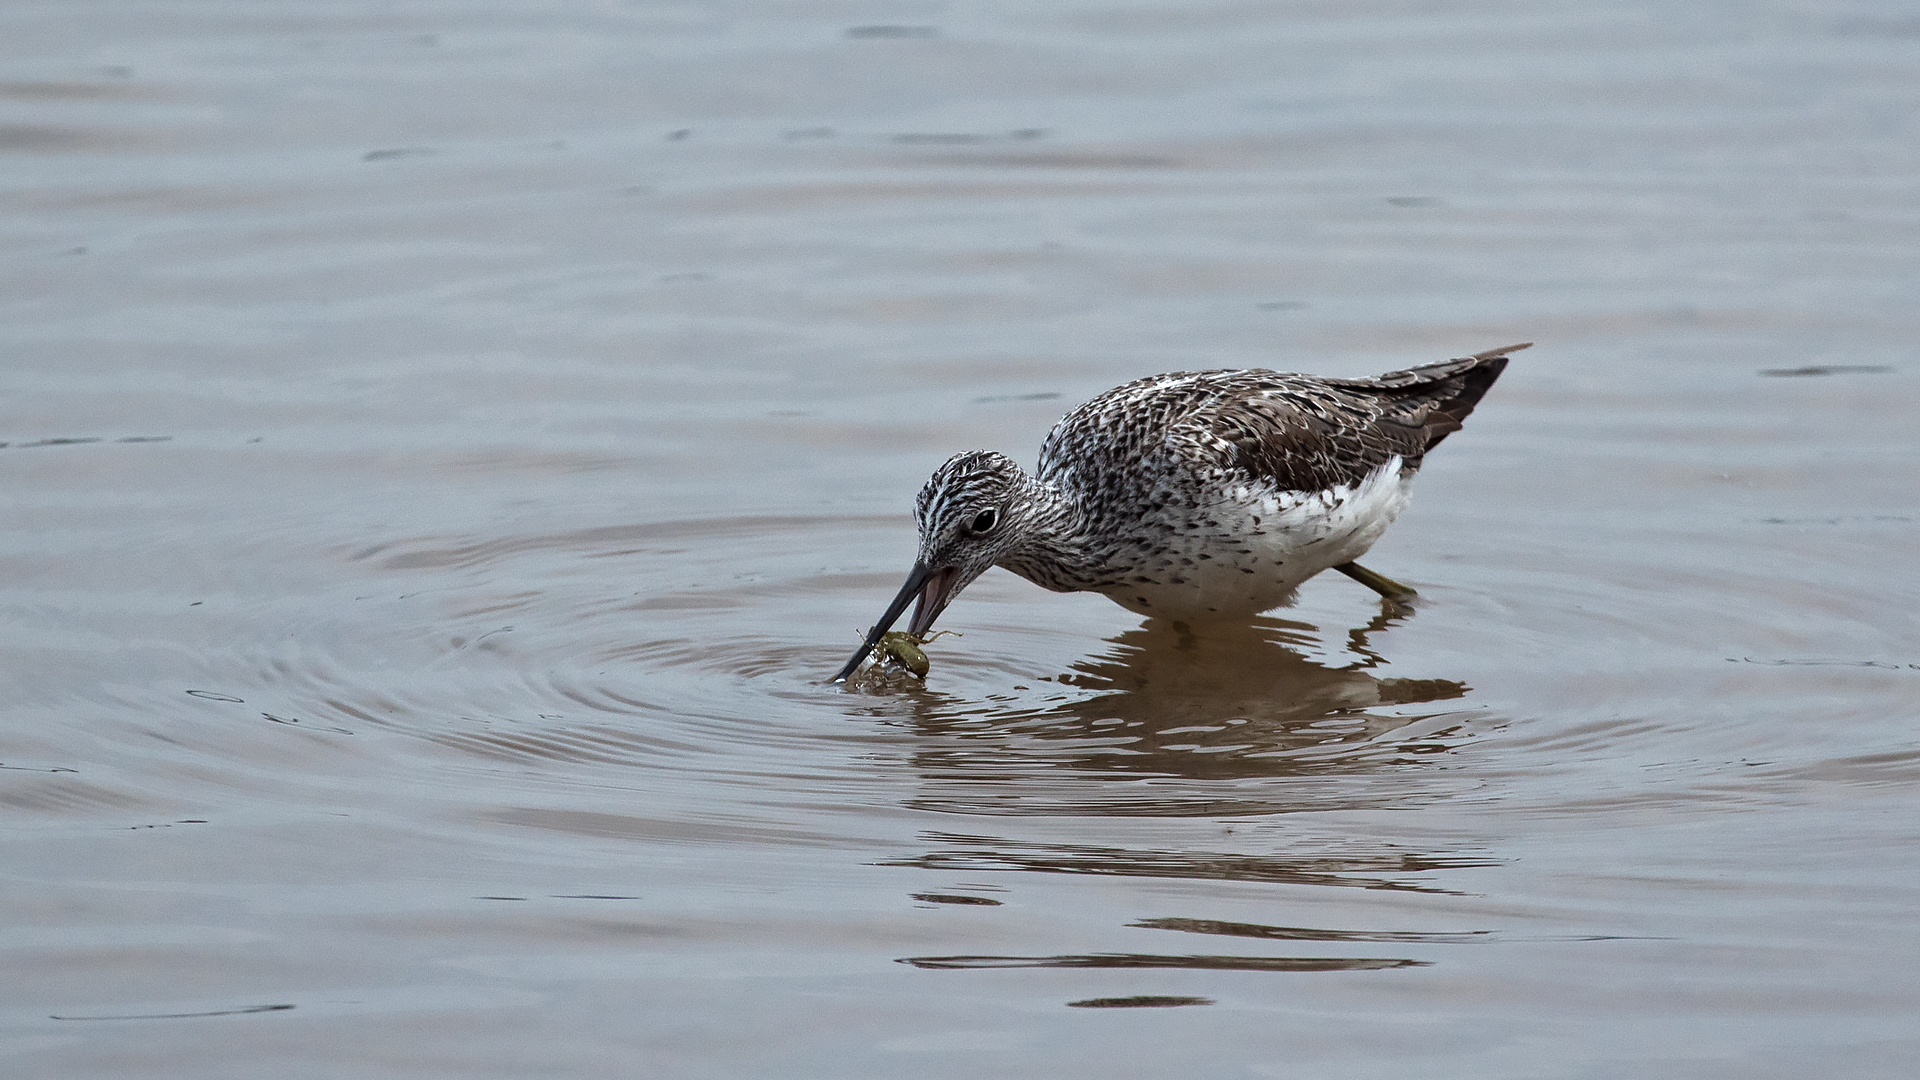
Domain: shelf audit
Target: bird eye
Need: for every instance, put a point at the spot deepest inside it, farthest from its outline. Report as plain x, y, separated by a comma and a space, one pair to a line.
985, 521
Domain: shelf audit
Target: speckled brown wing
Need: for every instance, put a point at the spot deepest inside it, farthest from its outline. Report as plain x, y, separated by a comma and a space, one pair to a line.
1303, 433
1445, 393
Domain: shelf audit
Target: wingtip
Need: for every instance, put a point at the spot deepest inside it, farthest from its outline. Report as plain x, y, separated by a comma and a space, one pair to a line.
1495, 354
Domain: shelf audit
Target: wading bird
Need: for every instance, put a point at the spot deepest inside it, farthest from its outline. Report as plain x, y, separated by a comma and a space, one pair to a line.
1193, 495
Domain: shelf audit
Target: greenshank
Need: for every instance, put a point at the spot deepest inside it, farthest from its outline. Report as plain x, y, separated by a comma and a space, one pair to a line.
1194, 495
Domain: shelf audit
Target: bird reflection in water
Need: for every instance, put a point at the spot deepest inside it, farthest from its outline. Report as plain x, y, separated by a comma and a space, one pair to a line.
1176, 724
1191, 706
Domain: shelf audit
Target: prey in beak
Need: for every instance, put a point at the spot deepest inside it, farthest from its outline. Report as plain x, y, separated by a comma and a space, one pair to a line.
933, 588
972, 513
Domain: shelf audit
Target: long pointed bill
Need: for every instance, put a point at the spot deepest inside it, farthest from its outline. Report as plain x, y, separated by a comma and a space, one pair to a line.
934, 588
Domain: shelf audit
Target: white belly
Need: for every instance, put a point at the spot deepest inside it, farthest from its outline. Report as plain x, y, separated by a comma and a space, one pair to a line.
1263, 545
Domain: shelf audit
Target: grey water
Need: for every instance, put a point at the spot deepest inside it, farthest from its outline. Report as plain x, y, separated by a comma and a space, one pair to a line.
447, 447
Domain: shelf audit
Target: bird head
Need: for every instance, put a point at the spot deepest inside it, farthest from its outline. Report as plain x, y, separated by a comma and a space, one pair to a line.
970, 514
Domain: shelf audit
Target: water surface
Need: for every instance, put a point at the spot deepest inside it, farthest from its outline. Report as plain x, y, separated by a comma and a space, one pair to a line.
447, 446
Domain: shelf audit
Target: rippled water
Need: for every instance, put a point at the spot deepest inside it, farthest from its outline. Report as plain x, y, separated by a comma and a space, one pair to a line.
447, 446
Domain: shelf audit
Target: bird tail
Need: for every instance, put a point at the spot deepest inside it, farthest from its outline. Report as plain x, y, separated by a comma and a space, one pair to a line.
1441, 396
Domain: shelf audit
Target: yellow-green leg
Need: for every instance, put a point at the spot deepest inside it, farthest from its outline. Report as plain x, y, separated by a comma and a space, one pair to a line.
1381, 584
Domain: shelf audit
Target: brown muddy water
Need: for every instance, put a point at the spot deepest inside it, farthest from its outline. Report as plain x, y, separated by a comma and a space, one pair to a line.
448, 445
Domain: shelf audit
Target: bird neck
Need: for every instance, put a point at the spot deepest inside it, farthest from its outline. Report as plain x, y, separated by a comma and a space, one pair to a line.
1056, 550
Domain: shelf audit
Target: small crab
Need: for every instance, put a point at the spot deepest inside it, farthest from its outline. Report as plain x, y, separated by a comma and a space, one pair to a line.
902, 649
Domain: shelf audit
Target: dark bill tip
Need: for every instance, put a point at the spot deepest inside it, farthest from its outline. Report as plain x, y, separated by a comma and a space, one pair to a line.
916, 580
